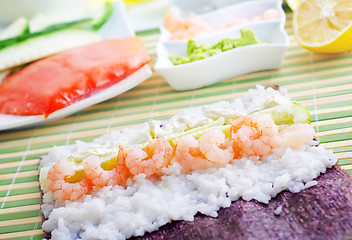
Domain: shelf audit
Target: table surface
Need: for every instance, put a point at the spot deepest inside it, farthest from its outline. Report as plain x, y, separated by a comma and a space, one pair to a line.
323, 83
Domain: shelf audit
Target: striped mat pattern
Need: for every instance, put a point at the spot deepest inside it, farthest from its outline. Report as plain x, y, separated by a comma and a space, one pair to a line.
322, 83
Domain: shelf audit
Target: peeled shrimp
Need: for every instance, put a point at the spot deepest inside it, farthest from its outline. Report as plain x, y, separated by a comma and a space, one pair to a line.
100, 177
157, 155
190, 27
189, 155
215, 147
254, 135
194, 26
271, 14
256, 18
185, 28
297, 135
212, 149
171, 18
64, 190
237, 22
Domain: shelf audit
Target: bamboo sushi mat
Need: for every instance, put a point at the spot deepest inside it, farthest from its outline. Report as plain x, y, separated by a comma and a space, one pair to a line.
322, 83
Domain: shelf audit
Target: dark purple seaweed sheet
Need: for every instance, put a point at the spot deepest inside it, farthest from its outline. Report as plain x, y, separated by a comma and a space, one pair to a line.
320, 212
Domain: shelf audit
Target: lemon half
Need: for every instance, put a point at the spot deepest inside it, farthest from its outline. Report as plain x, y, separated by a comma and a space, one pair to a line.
324, 26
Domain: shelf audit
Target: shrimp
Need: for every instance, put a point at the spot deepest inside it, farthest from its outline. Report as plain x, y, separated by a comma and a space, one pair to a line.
189, 155
56, 182
237, 22
171, 18
271, 14
190, 27
256, 18
157, 155
297, 135
212, 149
100, 177
254, 135
185, 28
215, 147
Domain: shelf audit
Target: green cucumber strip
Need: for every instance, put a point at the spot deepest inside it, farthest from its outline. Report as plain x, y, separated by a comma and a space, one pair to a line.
57, 27
109, 9
43, 176
26, 30
15, 29
44, 45
289, 113
196, 132
65, 25
41, 22
44, 24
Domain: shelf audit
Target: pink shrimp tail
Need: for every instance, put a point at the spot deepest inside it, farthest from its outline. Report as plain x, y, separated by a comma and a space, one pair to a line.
121, 169
63, 190
157, 154
100, 177
255, 135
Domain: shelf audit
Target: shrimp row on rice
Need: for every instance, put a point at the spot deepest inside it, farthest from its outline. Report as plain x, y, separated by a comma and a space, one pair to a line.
254, 135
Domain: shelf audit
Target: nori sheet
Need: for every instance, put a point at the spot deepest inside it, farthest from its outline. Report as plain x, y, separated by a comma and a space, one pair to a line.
321, 212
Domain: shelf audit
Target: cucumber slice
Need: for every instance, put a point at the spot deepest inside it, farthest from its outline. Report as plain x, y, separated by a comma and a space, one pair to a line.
100, 21
93, 17
45, 45
78, 176
15, 29
43, 176
41, 22
174, 138
42, 29
11, 41
287, 113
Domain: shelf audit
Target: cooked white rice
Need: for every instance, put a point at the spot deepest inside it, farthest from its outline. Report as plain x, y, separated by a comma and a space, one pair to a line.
145, 205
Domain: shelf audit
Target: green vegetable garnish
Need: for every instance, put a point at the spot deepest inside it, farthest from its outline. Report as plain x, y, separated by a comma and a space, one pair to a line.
196, 51
290, 113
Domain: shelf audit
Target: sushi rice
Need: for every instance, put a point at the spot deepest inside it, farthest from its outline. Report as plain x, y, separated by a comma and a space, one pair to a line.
114, 212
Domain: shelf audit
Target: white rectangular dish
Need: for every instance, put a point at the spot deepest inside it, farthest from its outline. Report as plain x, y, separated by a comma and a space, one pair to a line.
118, 26
267, 55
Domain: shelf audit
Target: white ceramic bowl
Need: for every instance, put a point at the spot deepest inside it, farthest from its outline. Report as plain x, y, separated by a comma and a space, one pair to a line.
267, 55
222, 16
264, 56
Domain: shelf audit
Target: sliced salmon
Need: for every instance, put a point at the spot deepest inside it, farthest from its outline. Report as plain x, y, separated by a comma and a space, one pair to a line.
55, 82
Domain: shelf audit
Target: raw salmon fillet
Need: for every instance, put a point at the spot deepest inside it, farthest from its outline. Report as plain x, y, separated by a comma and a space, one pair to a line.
55, 82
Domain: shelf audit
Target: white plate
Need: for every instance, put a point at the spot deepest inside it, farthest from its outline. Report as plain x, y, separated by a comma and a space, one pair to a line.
118, 26
268, 55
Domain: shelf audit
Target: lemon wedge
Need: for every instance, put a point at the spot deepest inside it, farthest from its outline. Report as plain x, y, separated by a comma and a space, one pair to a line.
324, 26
